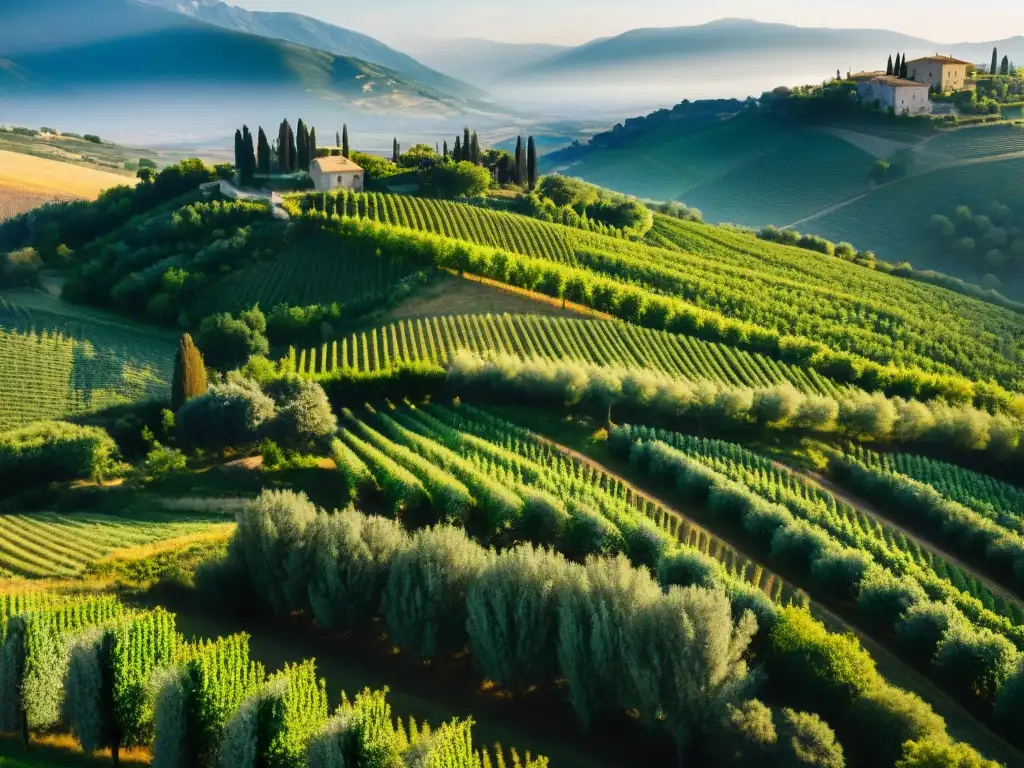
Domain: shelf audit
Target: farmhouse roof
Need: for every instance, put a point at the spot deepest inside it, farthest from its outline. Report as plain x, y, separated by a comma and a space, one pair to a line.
941, 59
867, 75
898, 82
334, 164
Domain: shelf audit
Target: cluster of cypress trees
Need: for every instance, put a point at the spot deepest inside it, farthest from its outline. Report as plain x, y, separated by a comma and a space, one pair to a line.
294, 150
245, 155
526, 163
899, 69
341, 140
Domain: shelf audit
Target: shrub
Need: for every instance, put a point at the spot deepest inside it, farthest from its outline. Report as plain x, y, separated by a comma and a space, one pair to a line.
20, 268
424, 603
940, 753
304, 417
1010, 702
809, 740
686, 567
824, 673
975, 662
841, 570
884, 597
270, 545
350, 556
513, 616
189, 373
923, 625
54, 451
229, 415
227, 342
892, 717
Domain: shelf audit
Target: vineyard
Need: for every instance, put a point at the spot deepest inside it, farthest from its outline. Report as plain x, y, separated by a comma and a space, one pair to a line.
459, 221
63, 360
984, 141
464, 463
50, 545
843, 549
127, 678
786, 290
786, 184
317, 272
436, 339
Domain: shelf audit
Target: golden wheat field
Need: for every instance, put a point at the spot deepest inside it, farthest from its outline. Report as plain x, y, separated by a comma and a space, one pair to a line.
27, 182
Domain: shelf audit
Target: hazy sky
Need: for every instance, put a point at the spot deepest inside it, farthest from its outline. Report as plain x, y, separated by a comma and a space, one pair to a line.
576, 21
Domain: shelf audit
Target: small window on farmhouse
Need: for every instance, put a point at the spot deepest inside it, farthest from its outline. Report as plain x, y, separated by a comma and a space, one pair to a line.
340, 179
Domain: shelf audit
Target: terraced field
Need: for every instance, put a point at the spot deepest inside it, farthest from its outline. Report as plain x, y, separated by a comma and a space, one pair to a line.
47, 544
601, 342
58, 359
788, 183
982, 141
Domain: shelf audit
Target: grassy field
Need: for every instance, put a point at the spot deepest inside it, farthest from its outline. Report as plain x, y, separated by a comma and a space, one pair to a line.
58, 359
801, 177
979, 141
16, 199
604, 342
52, 545
905, 237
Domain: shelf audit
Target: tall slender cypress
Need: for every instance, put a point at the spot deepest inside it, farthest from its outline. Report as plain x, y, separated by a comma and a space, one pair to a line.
474, 149
189, 379
531, 163
302, 145
445, 155
312, 146
457, 154
1004, 69
888, 69
337, 140
262, 152
394, 151
903, 67
293, 152
238, 150
248, 156
995, 61
344, 140
520, 169
465, 144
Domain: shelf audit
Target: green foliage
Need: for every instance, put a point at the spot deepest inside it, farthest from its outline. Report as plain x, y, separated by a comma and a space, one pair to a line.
228, 342
198, 696
424, 602
975, 662
890, 717
350, 557
48, 452
449, 180
137, 646
810, 740
233, 414
20, 268
189, 373
304, 415
826, 672
942, 754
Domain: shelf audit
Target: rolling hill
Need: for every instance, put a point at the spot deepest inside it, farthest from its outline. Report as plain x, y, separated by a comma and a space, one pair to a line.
482, 62
87, 50
313, 33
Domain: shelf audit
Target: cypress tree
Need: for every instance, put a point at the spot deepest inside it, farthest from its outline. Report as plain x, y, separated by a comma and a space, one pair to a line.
457, 155
465, 144
312, 146
248, 156
995, 61
293, 152
531, 163
189, 373
903, 67
394, 151
282, 143
238, 150
445, 155
474, 149
888, 69
337, 140
302, 145
520, 161
344, 140
1005, 68
262, 153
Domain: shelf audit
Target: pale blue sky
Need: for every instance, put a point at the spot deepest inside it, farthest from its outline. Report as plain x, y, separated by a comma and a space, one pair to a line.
402, 22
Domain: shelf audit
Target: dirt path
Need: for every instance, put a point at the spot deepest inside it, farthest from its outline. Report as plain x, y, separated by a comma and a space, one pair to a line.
961, 724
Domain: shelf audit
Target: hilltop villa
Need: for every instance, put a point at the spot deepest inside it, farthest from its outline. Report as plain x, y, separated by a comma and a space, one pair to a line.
904, 97
943, 73
334, 172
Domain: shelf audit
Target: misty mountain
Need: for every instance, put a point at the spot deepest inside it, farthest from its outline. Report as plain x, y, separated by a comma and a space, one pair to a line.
313, 33
50, 47
739, 43
481, 62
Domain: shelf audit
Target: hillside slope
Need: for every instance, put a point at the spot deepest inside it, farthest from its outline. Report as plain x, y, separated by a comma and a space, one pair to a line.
314, 33
88, 50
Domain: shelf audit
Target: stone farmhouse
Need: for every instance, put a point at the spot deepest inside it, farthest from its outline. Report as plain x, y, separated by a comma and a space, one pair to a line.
335, 172
904, 97
943, 73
